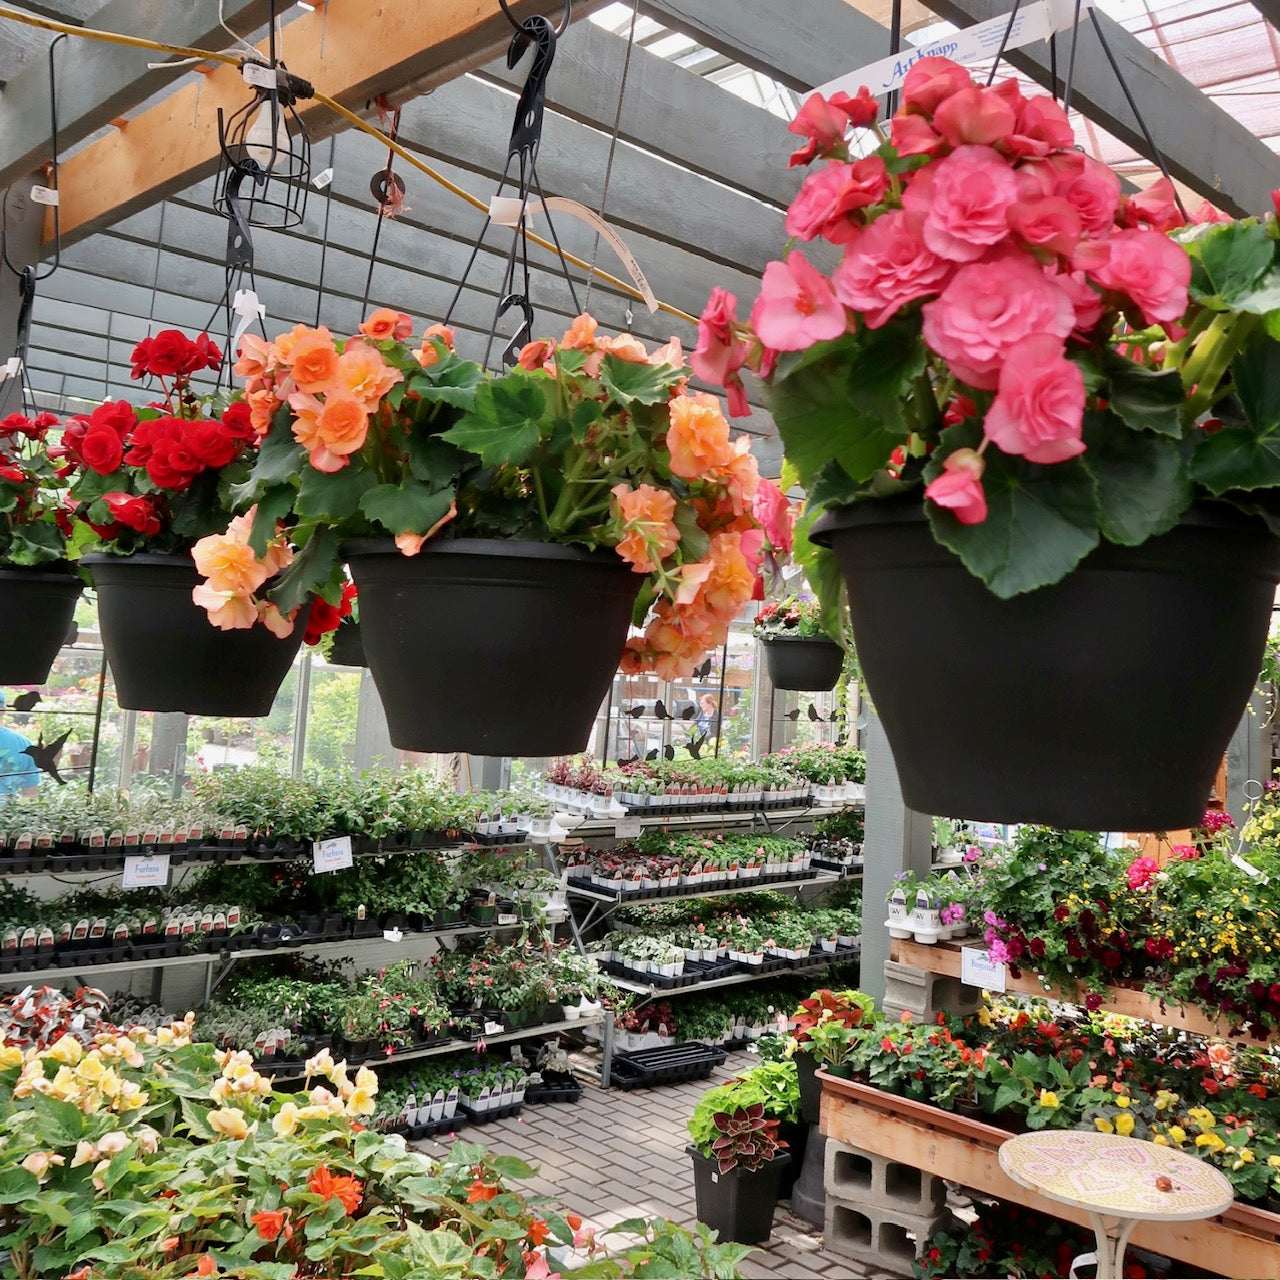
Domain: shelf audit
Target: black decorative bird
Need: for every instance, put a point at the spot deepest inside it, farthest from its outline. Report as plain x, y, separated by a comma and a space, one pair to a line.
25, 701
702, 672
813, 712
651, 755
660, 710
694, 746
669, 752
689, 712
634, 712
46, 757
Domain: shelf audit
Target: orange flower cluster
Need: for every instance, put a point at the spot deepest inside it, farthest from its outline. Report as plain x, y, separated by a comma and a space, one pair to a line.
233, 573
581, 336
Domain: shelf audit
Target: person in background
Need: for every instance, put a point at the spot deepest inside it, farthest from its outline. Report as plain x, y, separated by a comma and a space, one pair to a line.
18, 772
707, 711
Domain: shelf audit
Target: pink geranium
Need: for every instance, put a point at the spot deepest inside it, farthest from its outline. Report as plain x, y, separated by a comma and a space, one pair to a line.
1141, 872
888, 268
1050, 222
975, 115
1042, 127
1155, 208
913, 136
987, 309
930, 82
1151, 270
796, 306
1039, 406
959, 487
829, 197
775, 515
961, 205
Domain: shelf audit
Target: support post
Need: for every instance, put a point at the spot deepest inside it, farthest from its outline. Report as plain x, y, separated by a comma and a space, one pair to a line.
1248, 755
897, 839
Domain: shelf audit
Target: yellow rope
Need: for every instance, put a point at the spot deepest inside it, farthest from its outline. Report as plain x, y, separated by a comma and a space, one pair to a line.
205, 55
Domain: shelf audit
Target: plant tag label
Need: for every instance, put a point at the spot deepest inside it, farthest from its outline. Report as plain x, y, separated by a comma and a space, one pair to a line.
492, 1029
977, 969
258, 76
45, 195
392, 935
508, 918
627, 829
322, 179
146, 871
332, 855
1247, 867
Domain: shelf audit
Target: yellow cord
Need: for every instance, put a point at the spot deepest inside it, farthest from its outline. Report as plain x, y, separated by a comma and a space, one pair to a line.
204, 55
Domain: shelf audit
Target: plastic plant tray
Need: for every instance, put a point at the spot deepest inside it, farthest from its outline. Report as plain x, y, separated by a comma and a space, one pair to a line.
669, 1065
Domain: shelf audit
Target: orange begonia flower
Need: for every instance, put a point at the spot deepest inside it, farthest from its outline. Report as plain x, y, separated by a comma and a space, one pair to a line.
313, 362
650, 532
363, 373
344, 1188
481, 1191
256, 357
270, 1222
384, 325
331, 429
698, 437
581, 335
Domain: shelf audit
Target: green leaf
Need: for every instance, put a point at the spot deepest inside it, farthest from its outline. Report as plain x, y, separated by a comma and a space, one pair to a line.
310, 570
693, 540
90, 485
512, 1167
1256, 373
273, 505
822, 572
452, 381
1238, 458
336, 495
58, 1123
845, 404
1041, 520
433, 460
411, 508
833, 487
280, 460
584, 416
17, 1184
1145, 399
504, 424
626, 381
1233, 257
196, 1118
1143, 486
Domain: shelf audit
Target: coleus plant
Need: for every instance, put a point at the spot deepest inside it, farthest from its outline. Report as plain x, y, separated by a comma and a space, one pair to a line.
745, 1138
1039, 361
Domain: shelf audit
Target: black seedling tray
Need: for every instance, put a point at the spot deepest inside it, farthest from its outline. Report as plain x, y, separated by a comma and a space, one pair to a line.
669, 1065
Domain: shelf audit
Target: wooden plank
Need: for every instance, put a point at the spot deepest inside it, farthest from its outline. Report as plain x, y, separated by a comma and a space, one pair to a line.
1225, 1245
173, 143
944, 958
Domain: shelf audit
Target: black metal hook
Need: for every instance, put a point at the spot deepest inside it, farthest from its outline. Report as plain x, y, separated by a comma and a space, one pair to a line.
560, 30
511, 352
526, 132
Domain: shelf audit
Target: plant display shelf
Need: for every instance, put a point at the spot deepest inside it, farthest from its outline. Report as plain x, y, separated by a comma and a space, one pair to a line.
771, 819
1242, 1241
815, 963
25, 976
459, 1046
944, 958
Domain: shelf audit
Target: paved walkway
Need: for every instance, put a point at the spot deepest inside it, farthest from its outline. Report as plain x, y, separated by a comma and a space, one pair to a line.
617, 1155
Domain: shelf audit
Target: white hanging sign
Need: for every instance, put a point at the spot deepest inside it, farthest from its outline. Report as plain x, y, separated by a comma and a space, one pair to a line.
44, 195
627, 828
505, 211
249, 309
974, 44
146, 871
977, 969
322, 179
331, 855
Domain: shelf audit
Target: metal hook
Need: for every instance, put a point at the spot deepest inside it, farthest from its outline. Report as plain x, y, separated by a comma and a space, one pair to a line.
560, 30
511, 352
1251, 796
526, 132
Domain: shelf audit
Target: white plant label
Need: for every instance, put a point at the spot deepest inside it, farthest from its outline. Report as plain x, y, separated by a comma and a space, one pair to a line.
392, 935
45, 195
247, 306
627, 829
12, 368
258, 76
978, 969
331, 855
322, 179
973, 44
146, 871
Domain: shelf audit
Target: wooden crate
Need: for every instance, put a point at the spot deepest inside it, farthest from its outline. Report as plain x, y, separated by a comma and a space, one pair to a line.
1243, 1241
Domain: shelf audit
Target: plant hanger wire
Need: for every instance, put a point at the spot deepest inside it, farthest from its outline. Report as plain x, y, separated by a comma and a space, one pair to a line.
534, 32
29, 276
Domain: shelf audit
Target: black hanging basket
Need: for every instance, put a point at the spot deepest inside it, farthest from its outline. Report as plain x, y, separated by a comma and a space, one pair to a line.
348, 647
738, 1204
802, 662
36, 610
166, 656
502, 648
1101, 703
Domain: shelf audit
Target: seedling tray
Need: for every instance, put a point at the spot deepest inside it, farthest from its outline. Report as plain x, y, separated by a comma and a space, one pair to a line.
669, 1065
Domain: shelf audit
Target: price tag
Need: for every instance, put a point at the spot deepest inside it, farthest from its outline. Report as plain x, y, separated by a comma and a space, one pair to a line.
627, 829
258, 76
44, 195
322, 179
331, 855
146, 871
977, 969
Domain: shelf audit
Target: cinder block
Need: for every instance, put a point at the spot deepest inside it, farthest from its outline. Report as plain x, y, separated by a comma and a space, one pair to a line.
888, 1242
863, 1178
924, 994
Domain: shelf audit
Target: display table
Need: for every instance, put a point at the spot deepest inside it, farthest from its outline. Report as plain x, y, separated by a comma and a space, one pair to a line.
1118, 1182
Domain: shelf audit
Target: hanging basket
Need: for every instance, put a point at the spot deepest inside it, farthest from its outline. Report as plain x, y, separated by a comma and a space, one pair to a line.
348, 647
802, 662
1102, 703
164, 654
36, 611
501, 648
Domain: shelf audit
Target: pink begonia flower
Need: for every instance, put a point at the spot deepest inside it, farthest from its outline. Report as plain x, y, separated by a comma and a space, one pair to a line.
959, 487
1141, 872
913, 136
1086, 300
930, 82
987, 309
823, 122
975, 115
796, 307
961, 204
1042, 127
1156, 208
719, 355
1048, 223
1149, 268
774, 514
1039, 405
1091, 187
888, 268
1206, 212
828, 196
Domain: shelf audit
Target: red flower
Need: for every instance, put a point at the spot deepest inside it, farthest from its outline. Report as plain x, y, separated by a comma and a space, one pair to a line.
238, 420
210, 443
205, 1267
481, 1191
116, 414
269, 1222
171, 354
538, 1232
347, 1189
138, 514
14, 474
325, 617
101, 449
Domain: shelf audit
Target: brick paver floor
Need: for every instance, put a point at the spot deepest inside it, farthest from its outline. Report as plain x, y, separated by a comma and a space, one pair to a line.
616, 1155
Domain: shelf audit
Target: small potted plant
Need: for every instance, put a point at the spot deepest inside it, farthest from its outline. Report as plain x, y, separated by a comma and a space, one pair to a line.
901, 902
736, 1172
798, 652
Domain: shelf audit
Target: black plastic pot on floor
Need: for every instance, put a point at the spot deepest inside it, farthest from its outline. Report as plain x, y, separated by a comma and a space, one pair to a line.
795, 1133
810, 1087
802, 662
36, 609
1103, 702
501, 648
738, 1204
166, 656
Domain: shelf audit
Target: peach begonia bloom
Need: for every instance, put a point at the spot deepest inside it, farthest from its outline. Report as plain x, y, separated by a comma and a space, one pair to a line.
646, 514
671, 352
732, 579
444, 332
256, 357
411, 543
627, 347
262, 406
228, 563
274, 621
228, 611
229, 1121
538, 354
385, 324
581, 335
365, 374
698, 437
331, 429
740, 475
313, 362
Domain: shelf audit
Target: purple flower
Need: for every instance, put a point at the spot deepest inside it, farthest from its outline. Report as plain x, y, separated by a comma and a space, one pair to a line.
972, 853
997, 950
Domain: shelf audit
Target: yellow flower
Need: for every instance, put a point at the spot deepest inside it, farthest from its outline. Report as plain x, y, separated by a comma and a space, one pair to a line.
1165, 1099
67, 1050
229, 1121
130, 1097
1123, 1101
285, 1121
1246, 1156
1048, 1098
361, 1103
366, 1079
1210, 1142
1159, 1139
86, 1153
10, 1057
1103, 1125
1124, 1124
1201, 1117
1178, 1133
110, 1083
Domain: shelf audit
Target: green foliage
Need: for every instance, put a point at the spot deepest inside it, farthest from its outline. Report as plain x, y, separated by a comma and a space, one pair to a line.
772, 1085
